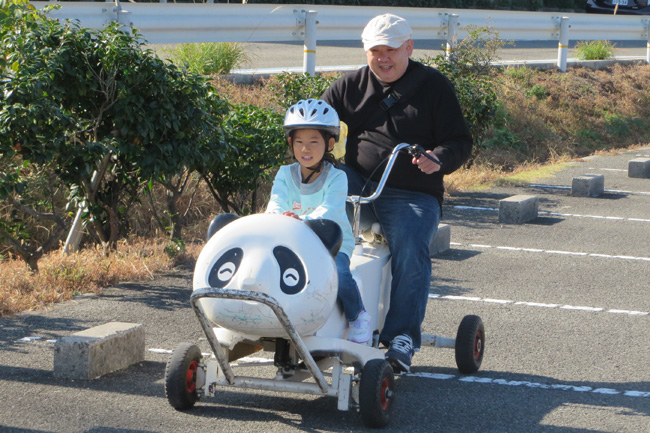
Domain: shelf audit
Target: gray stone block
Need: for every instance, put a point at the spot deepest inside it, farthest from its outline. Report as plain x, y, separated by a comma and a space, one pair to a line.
639, 167
518, 209
99, 350
440, 242
588, 185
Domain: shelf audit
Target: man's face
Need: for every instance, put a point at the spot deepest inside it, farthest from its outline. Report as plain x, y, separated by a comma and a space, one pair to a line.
389, 64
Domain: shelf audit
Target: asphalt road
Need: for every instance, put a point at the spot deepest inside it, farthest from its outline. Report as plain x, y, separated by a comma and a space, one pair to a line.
345, 53
563, 298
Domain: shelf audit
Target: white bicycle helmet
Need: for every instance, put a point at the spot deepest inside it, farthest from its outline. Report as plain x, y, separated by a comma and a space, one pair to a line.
312, 114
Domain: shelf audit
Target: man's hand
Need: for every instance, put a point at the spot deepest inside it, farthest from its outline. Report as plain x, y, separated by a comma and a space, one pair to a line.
425, 164
290, 214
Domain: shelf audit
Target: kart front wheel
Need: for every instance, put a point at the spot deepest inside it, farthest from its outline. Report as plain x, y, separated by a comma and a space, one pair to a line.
180, 376
376, 393
470, 344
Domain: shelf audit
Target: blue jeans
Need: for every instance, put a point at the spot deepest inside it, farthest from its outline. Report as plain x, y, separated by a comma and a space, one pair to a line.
348, 292
409, 220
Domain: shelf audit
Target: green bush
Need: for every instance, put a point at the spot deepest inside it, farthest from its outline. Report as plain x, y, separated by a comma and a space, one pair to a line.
468, 67
254, 145
81, 101
594, 50
208, 58
290, 88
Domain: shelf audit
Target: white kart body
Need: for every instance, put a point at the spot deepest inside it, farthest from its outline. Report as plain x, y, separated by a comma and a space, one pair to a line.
269, 282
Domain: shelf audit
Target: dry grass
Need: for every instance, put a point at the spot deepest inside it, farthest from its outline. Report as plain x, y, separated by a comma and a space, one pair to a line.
62, 277
546, 118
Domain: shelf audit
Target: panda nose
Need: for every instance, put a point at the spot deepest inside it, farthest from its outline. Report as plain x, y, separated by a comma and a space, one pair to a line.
249, 283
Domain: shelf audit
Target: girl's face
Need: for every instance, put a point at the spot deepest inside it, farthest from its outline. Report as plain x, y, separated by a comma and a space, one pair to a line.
308, 148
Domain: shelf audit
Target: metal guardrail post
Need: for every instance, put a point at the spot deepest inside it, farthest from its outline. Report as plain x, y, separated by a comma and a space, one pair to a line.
309, 58
452, 27
563, 45
647, 31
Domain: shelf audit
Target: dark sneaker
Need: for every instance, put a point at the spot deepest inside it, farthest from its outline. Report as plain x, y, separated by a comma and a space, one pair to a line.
400, 353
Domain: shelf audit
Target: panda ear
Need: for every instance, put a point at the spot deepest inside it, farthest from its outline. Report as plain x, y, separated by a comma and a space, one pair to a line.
329, 233
219, 222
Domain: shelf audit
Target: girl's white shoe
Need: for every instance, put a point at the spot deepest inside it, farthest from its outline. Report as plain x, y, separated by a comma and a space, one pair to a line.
359, 331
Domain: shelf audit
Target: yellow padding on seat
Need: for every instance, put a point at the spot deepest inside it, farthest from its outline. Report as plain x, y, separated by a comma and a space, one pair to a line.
339, 147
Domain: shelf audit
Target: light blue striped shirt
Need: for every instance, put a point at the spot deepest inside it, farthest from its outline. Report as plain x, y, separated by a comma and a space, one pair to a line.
323, 198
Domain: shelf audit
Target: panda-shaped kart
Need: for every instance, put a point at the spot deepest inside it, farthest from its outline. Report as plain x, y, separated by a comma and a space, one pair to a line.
269, 282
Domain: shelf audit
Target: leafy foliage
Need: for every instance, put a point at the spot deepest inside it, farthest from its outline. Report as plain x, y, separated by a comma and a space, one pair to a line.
254, 144
208, 58
86, 101
291, 88
594, 50
468, 67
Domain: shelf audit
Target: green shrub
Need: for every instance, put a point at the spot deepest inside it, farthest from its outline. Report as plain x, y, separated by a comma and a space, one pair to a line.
291, 88
594, 50
208, 58
538, 92
74, 101
254, 145
469, 68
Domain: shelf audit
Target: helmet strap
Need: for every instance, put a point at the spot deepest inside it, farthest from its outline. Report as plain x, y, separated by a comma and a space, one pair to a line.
314, 170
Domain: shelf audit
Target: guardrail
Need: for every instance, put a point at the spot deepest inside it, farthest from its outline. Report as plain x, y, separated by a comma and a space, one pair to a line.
181, 23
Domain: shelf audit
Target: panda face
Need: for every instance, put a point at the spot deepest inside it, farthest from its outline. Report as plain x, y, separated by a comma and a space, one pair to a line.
293, 278
271, 254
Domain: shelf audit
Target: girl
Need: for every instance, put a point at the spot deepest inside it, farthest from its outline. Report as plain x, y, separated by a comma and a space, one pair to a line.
314, 188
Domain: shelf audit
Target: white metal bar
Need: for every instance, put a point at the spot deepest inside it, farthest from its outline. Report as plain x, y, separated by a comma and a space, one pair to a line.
309, 57
451, 34
177, 23
563, 45
437, 341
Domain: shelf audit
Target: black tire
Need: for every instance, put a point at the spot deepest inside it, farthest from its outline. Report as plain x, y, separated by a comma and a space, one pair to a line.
470, 344
180, 376
376, 393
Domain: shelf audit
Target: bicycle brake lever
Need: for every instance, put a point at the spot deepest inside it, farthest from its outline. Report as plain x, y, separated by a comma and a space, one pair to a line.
416, 151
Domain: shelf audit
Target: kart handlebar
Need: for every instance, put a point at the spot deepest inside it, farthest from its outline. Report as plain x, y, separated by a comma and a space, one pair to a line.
414, 150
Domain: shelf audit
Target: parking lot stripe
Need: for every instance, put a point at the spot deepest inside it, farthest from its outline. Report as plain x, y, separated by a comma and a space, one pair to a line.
535, 250
610, 191
534, 385
544, 213
538, 304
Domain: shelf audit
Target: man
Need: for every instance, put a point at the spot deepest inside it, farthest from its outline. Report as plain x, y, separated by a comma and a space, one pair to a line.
394, 100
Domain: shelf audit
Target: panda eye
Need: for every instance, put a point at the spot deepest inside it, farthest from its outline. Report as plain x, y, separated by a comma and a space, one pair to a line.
225, 268
293, 277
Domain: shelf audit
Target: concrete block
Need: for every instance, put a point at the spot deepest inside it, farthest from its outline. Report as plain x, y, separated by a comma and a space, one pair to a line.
440, 242
99, 350
588, 185
639, 167
518, 209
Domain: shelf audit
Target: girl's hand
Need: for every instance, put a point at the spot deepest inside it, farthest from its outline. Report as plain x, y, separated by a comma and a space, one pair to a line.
290, 214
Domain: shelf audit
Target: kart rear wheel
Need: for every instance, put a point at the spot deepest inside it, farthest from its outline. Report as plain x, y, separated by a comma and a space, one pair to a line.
470, 344
180, 376
376, 393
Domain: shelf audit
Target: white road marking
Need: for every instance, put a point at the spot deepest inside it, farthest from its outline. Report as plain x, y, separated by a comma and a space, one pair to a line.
538, 304
535, 250
611, 191
527, 384
544, 213
607, 169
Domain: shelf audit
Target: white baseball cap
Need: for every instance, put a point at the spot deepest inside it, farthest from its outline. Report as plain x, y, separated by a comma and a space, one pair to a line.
387, 29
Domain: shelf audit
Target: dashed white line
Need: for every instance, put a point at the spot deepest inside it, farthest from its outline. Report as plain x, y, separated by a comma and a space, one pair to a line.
474, 379
545, 213
611, 191
568, 253
538, 304
535, 385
